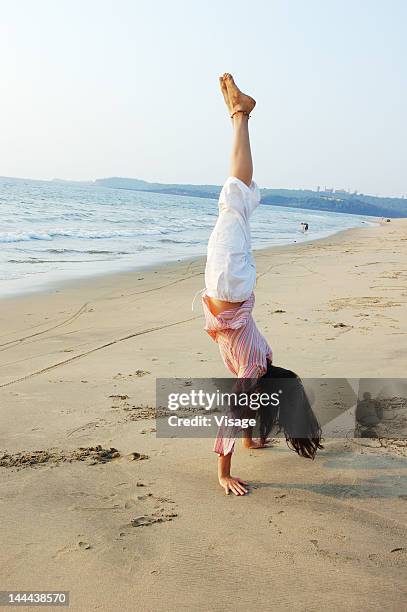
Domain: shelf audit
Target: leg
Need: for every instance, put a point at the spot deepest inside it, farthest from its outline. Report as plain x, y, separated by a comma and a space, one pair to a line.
250, 443
241, 163
239, 106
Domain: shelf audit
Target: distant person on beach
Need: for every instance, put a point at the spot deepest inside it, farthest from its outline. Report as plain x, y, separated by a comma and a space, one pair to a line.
368, 415
228, 301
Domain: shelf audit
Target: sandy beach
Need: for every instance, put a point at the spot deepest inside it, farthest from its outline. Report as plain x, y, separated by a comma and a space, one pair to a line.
93, 503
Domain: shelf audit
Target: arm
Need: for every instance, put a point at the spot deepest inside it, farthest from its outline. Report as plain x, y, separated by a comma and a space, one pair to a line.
224, 445
228, 482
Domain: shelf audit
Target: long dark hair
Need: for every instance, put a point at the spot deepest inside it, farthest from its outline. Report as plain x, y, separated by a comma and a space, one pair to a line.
293, 415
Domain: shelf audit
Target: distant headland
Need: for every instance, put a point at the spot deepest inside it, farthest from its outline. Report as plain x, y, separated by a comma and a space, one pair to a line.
322, 199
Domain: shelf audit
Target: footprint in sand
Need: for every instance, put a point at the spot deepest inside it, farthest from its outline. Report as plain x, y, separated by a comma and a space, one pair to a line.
156, 509
159, 516
137, 456
72, 548
335, 556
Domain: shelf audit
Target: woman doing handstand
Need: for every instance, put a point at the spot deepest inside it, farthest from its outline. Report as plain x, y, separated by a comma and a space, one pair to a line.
228, 301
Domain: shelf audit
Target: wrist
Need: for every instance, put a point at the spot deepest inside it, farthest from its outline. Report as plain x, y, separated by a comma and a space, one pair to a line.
224, 463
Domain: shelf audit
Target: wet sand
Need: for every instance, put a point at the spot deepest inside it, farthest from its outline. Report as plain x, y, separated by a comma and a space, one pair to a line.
94, 503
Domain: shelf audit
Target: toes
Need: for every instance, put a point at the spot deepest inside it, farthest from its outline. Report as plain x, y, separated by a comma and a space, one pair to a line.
224, 90
231, 85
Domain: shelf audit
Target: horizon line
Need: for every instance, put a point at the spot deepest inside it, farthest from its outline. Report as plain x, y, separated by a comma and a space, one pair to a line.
93, 181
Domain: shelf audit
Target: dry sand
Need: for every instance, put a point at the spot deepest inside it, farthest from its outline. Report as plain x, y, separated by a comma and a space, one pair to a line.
94, 503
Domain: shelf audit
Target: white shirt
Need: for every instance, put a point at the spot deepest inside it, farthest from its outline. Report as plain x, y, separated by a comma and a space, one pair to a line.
230, 272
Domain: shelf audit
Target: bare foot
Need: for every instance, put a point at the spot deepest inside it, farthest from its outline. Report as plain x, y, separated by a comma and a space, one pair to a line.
224, 91
260, 443
238, 101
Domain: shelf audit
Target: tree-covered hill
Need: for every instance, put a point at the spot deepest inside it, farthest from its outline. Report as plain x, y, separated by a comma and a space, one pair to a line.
339, 201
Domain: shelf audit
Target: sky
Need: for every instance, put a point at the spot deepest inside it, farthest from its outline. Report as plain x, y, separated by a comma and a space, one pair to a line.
97, 88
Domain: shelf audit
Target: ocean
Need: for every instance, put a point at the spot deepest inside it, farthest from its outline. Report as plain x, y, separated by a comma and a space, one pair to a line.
52, 231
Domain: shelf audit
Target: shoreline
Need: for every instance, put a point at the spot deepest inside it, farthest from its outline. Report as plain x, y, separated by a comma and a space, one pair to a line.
58, 285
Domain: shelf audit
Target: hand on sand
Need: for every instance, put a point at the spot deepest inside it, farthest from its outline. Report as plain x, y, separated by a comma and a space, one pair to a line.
235, 485
260, 443
235, 100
